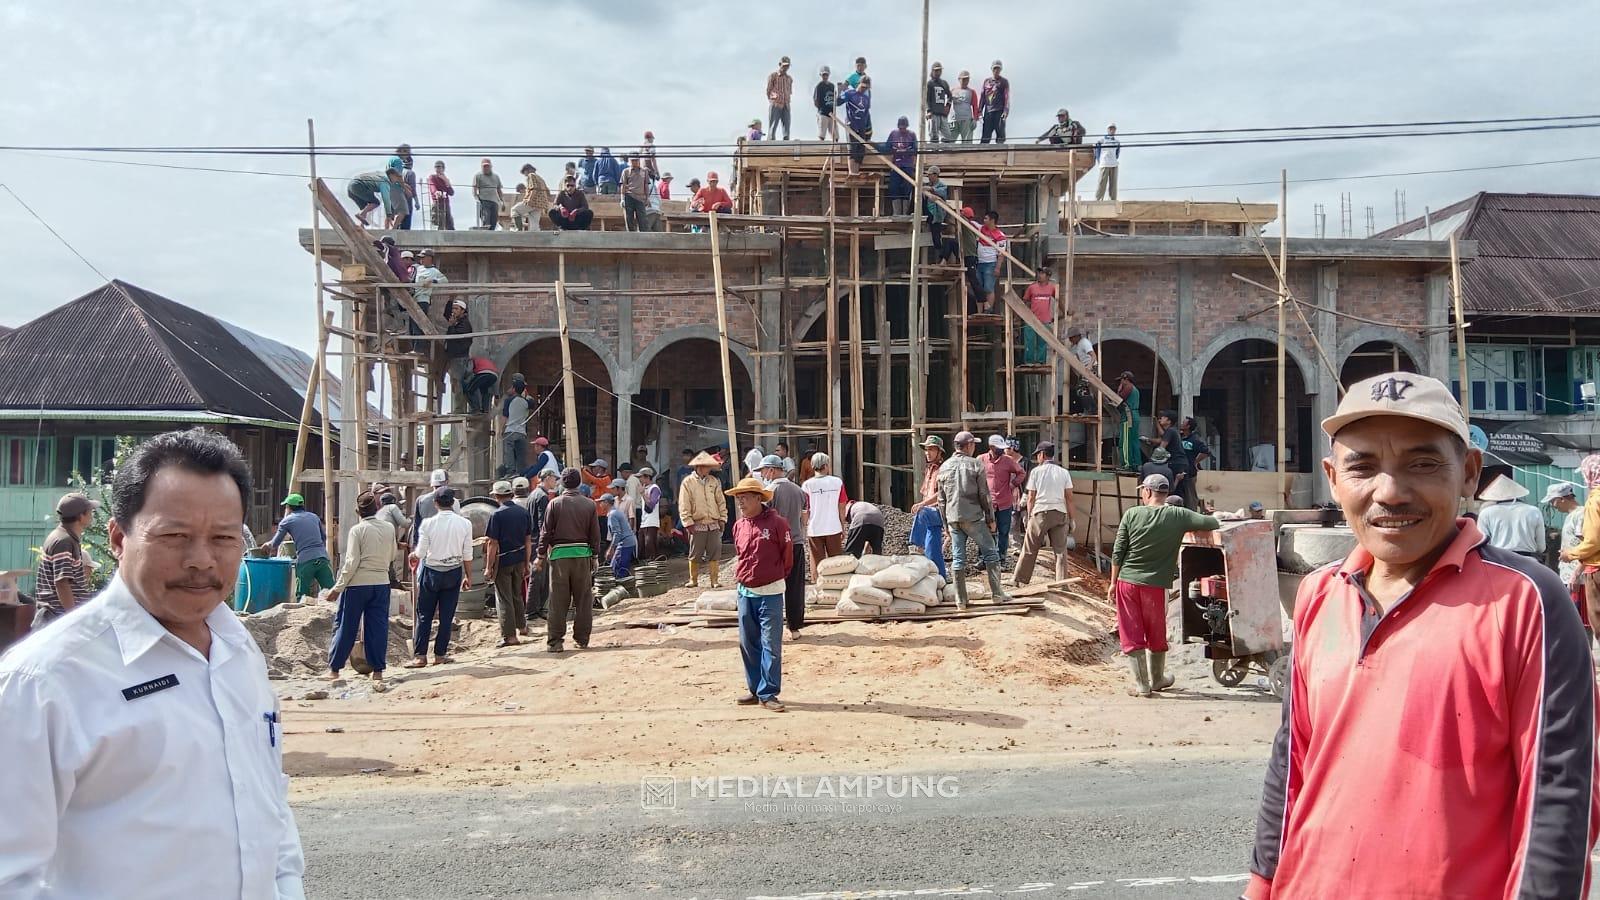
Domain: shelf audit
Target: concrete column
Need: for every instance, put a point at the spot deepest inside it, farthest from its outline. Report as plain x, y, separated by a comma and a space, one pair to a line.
1326, 400
1437, 362
1186, 379
625, 361
769, 374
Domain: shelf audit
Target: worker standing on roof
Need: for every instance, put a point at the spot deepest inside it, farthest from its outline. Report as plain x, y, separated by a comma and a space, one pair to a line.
1107, 155
488, 191
824, 97
938, 97
1438, 735
440, 190
996, 104
780, 91
608, 172
857, 102
963, 107
635, 195
1144, 561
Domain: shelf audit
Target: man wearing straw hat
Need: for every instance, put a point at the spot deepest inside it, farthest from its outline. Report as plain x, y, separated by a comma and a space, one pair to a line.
765, 557
1509, 523
1438, 735
703, 514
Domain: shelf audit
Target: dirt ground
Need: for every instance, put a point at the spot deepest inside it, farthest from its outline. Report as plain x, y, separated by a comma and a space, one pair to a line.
993, 691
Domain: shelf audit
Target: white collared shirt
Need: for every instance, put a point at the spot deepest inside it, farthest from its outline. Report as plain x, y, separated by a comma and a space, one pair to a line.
445, 541
115, 785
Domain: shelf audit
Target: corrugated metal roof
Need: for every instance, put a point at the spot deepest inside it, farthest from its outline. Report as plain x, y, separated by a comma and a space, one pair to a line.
1537, 253
122, 347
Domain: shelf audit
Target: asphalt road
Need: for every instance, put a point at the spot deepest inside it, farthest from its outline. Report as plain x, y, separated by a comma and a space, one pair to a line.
1104, 828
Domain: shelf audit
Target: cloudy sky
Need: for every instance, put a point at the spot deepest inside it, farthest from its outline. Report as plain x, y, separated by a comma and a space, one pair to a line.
554, 72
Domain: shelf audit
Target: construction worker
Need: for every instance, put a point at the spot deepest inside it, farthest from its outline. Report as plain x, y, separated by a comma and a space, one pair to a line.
1144, 561
1438, 735
1049, 513
569, 544
857, 103
790, 502
825, 98
362, 590
765, 553
780, 91
517, 409
826, 499
621, 550
489, 192
1130, 455
1108, 156
528, 213
938, 91
440, 190
710, 198
1509, 523
635, 194
864, 523
703, 513
313, 571
1006, 478
443, 557
1041, 298
964, 498
963, 107
927, 525
902, 146
995, 105
508, 547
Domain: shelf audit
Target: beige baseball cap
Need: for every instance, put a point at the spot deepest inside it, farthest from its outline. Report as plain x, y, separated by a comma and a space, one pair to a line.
1400, 394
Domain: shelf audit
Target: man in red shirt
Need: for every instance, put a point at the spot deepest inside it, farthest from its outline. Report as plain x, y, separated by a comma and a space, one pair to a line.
1438, 735
1005, 479
711, 197
440, 190
765, 555
1041, 297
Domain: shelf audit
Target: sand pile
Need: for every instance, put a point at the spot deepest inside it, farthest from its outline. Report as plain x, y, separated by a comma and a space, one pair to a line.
295, 638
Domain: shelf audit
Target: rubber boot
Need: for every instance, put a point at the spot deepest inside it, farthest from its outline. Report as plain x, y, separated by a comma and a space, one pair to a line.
1159, 679
961, 589
694, 574
716, 564
1141, 674
995, 588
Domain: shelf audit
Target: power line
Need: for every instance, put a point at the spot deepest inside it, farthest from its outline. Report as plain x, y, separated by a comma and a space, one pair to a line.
805, 149
64, 242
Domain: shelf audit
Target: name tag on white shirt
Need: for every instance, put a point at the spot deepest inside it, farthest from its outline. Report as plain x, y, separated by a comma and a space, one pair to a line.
149, 687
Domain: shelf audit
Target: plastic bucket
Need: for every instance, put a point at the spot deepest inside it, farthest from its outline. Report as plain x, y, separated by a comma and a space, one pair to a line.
263, 584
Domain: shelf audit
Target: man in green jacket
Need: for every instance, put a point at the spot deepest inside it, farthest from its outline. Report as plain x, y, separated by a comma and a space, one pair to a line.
1144, 561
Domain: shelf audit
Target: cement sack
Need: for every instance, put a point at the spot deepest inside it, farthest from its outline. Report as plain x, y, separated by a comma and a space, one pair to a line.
834, 582
906, 606
896, 577
824, 598
837, 565
867, 596
847, 607
925, 591
921, 565
717, 601
872, 563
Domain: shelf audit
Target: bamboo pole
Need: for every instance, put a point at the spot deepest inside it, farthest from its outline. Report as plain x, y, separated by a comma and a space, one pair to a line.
1283, 308
858, 389
324, 318
835, 416
573, 448
313, 382
1461, 328
722, 340
917, 370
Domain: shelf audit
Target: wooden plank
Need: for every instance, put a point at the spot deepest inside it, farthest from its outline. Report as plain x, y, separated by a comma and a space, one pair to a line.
360, 247
722, 341
568, 383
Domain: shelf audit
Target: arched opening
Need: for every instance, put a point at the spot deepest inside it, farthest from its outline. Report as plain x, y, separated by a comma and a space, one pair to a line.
1237, 410
1157, 389
683, 384
540, 363
1375, 358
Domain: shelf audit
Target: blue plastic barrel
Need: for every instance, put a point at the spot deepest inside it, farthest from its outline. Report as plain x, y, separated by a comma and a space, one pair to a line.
263, 584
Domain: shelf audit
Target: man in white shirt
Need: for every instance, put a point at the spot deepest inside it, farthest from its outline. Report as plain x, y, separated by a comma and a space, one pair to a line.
1107, 153
443, 556
1507, 522
142, 747
825, 504
1049, 513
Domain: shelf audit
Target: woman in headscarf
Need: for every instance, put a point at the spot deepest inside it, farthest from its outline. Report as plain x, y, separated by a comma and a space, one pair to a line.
1587, 552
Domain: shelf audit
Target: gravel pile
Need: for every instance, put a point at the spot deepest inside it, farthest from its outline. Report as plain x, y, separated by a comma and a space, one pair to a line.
295, 638
896, 530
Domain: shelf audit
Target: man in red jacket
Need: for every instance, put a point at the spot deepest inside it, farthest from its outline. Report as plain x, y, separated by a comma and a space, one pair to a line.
1438, 735
762, 546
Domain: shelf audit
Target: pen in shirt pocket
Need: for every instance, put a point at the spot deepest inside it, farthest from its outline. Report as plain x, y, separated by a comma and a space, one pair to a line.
271, 718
